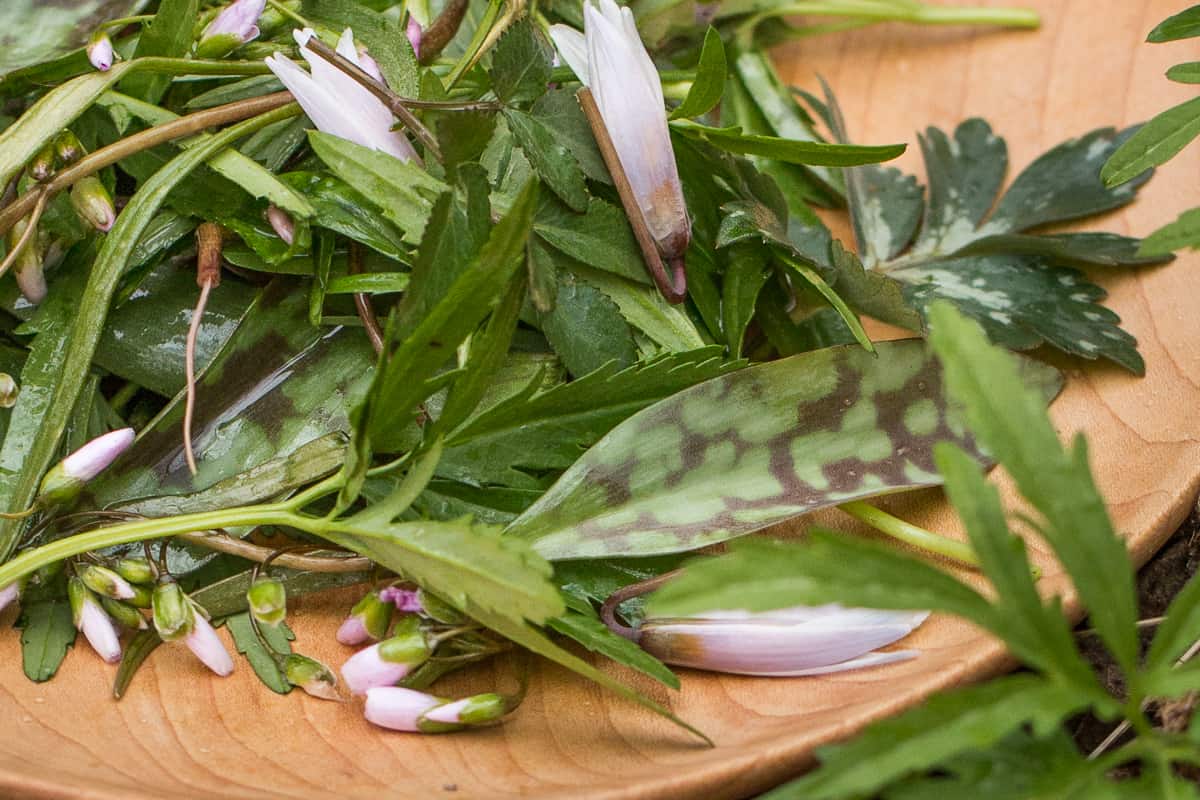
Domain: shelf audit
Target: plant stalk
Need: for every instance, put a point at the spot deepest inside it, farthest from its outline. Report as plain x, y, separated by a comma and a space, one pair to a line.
911, 534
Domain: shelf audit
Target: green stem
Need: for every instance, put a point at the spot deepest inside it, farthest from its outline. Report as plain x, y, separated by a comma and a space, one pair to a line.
121, 22
911, 534
490, 15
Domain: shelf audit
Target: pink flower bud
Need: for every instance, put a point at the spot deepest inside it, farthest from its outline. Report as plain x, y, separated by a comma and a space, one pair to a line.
207, 646
414, 35
398, 708
239, 19
100, 51
385, 663
790, 642
95, 625
9, 594
281, 222
368, 621
94, 457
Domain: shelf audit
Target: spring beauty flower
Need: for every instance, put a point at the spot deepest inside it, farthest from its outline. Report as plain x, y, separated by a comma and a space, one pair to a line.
805, 640
413, 31
233, 27
91, 620
336, 103
100, 51
208, 647
610, 60
401, 709
67, 478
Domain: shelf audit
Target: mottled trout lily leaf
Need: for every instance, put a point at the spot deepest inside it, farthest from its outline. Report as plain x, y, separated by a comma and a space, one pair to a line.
1023, 286
746, 450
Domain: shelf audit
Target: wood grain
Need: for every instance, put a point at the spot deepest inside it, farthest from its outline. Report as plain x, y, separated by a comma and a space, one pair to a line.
182, 733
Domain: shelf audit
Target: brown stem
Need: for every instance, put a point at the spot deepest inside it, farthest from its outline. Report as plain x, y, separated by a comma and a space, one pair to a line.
396, 104
442, 30
254, 552
107, 156
208, 276
608, 611
362, 300
673, 288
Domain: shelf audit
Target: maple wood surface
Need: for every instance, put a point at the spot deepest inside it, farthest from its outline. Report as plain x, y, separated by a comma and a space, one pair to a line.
180, 732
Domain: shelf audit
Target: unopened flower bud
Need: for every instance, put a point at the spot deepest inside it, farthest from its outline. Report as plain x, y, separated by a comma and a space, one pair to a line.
27, 270
174, 617
281, 222
124, 614
9, 593
67, 478
234, 26
9, 391
41, 168
106, 582
267, 600
311, 675
100, 51
387, 662
135, 569
68, 149
480, 709
401, 709
368, 620
143, 596
207, 646
93, 203
91, 620
414, 35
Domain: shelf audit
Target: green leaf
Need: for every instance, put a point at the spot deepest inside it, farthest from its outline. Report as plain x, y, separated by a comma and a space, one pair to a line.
1154, 143
402, 189
835, 301
1185, 73
870, 292
27, 464
586, 328
1183, 232
745, 275
135, 653
644, 307
791, 151
709, 84
383, 36
369, 283
1010, 421
585, 627
559, 110
520, 64
341, 209
1184, 25
600, 238
168, 34
1075, 249
1178, 630
47, 630
945, 726
550, 159
261, 660
749, 449
50, 30
965, 176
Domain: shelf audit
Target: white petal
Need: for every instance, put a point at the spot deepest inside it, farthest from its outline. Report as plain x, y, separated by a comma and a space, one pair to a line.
869, 660
572, 46
207, 646
100, 632
397, 708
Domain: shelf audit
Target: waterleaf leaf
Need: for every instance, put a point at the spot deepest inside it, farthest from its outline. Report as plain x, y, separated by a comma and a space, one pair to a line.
586, 328
709, 83
1184, 25
583, 626
1183, 232
644, 308
1154, 143
520, 64
791, 151
746, 450
261, 660
559, 110
600, 238
46, 628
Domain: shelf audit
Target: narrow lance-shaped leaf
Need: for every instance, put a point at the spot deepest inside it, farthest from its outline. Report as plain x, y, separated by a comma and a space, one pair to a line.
747, 450
709, 85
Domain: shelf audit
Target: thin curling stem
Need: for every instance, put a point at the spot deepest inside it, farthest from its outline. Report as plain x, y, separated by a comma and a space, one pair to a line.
608, 610
362, 301
208, 276
224, 543
673, 287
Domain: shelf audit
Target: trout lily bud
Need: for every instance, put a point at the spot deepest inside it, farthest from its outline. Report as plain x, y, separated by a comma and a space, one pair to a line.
338, 104
93, 203
401, 709
387, 662
233, 27
9, 391
135, 569
106, 583
311, 675
91, 620
611, 61
174, 617
281, 222
9, 594
786, 643
67, 478
368, 621
207, 646
100, 51
267, 600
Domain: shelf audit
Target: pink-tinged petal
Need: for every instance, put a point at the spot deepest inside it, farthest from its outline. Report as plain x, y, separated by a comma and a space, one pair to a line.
31, 280
239, 19
406, 600
353, 631
94, 457
449, 713
207, 646
862, 662
9, 594
572, 47
397, 708
100, 52
281, 222
98, 628
413, 31
366, 669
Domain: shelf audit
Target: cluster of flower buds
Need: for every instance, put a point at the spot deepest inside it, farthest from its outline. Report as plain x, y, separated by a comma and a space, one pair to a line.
401, 709
235, 25
178, 618
104, 597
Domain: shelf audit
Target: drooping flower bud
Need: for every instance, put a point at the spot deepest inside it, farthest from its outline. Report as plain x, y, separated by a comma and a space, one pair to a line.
786, 643
281, 222
28, 267
405, 600
91, 620
93, 203
234, 26
174, 617
387, 662
135, 569
100, 51
311, 675
124, 614
67, 478
9, 391
267, 600
368, 621
401, 709
41, 168
9, 594
207, 646
68, 149
413, 31
106, 582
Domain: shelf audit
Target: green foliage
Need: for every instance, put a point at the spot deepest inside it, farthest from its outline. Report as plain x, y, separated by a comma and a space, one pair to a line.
47, 630
709, 85
262, 658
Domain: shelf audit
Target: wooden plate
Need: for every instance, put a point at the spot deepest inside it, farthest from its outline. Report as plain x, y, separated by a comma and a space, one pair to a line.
181, 733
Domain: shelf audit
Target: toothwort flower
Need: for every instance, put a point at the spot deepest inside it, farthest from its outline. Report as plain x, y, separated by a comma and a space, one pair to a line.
336, 103
790, 642
234, 26
610, 59
368, 620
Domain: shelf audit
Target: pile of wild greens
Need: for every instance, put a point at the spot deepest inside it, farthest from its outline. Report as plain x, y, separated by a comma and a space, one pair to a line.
453, 373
